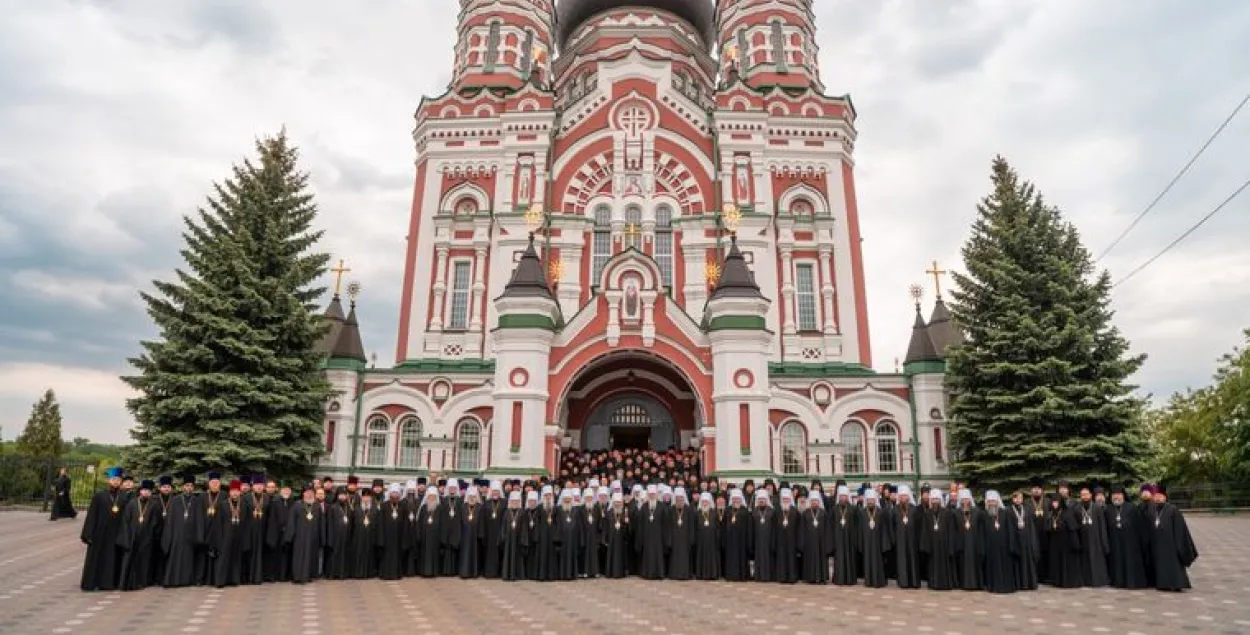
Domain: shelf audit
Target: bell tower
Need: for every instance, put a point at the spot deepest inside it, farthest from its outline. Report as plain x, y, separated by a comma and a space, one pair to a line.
768, 42
502, 43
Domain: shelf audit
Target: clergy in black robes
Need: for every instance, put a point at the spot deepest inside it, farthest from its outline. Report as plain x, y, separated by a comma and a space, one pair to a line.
970, 544
411, 502
843, 521
542, 553
62, 504
592, 541
367, 539
815, 540
338, 536
679, 537
1037, 507
453, 514
513, 539
255, 505
431, 534
472, 533
210, 502
764, 538
736, 539
304, 531
939, 542
1002, 546
137, 538
786, 525
180, 536
875, 540
396, 537
226, 544
648, 527
164, 498
1063, 544
1094, 547
491, 539
617, 539
568, 535
101, 569
707, 556
1171, 546
1026, 537
906, 522
1126, 534
277, 553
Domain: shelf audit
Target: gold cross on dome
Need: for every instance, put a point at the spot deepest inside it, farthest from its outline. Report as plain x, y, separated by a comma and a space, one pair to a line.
338, 276
937, 274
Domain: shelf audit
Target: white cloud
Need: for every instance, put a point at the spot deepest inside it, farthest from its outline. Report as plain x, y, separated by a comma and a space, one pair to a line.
81, 291
92, 400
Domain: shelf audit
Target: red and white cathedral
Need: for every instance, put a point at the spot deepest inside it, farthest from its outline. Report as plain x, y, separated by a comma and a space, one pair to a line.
634, 224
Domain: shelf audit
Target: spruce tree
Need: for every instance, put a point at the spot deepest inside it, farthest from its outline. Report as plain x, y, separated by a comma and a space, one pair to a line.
41, 438
234, 381
1040, 389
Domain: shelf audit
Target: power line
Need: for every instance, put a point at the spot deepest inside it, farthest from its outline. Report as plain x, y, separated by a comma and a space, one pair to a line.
1183, 236
1176, 178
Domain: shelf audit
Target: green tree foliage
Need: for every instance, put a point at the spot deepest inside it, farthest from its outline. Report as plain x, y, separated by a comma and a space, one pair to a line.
1040, 389
234, 381
41, 438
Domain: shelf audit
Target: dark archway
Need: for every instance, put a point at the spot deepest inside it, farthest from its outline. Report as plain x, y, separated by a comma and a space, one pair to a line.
619, 394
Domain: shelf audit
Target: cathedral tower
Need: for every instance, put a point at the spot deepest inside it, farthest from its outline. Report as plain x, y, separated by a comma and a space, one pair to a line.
768, 42
502, 43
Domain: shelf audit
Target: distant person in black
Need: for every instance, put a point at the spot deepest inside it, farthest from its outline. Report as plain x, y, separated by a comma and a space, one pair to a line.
1171, 545
62, 505
101, 571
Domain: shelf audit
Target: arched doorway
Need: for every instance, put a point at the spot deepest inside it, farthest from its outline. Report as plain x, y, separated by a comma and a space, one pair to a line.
633, 420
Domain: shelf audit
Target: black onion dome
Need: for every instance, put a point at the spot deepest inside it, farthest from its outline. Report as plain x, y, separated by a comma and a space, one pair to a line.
570, 14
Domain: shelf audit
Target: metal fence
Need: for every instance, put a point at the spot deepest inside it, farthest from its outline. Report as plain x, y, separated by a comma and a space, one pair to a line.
28, 483
1211, 497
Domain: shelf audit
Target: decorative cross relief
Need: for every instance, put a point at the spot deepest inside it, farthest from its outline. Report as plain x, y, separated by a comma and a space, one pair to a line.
634, 120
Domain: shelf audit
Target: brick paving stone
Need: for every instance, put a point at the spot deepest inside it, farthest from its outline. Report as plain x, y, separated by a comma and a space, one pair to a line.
40, 564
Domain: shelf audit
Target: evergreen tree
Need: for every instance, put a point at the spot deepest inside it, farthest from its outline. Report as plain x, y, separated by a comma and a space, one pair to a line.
1040, 388
41, 438
234, 382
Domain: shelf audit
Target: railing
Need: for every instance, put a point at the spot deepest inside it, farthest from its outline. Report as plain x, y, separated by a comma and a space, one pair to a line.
1211, 497
28, 483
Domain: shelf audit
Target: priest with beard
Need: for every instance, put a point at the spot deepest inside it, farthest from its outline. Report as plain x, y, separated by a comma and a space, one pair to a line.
648, 527
875, 540
616, 537
366, 540
707, 556
397, 552
472, 530
844, 521
592, 541
567, 537
786, 546
255, 503
493, 530
1093, 539
1037, 508
453, 510
163, 498
939, 542
1171, 545
736, 538
209, 501
304, 531
137, 539
764, 538
906, 522
430, 536
226, 543
969, 544
1127, 535
542, 537
339, 536
815, 540
277, 554
102, 567
513, 539
679, 536
1026, 536
413, 498
1001, 546
180, 535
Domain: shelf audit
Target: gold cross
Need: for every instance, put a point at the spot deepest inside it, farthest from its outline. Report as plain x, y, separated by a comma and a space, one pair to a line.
631, 231
338, 278
937, 277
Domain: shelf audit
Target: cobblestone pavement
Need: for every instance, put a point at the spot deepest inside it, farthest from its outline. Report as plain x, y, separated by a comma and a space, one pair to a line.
40, 565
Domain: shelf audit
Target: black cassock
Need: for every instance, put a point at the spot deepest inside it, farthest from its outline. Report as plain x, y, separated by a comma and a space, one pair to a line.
160, 560
1063, 546
570, 530
256, 509
707, 551
1025, 565
617, 542
453, 513
679, 542
338, 537
226, 543
62, 505
428, 542
209, 503
648, 526
1127, 534
179, 535
816, 537
366, 542
277, 554
907, 522
512, 542
1094, 547
102, 567
304, 531
1002, 547
786, 545
395, 540
1172, 548
492, 537
407, 508
875, 540
1038, 512
138, 541
939, 542
541, 553
843, 520
736, 543
592, 542
472, 532
764, 543
969, 548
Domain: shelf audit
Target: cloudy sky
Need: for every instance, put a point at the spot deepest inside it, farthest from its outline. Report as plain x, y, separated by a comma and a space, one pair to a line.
115, 117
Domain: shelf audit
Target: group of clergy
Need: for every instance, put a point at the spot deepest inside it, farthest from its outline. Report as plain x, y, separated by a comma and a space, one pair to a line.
254, 531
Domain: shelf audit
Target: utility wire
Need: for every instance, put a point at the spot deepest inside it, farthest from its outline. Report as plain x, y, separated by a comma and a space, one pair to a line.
1183, 236
1174, 180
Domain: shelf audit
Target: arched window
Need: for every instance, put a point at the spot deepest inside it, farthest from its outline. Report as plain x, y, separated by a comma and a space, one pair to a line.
801, 208
631, 414
375, 445
468, 446
409, 442
793, 449
601, 247
853, 448
664, 243
887, 447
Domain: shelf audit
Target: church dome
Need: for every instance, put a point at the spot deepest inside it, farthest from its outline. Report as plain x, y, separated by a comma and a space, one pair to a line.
570, 14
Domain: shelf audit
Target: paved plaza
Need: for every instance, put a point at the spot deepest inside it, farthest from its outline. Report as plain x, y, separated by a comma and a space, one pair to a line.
40, 563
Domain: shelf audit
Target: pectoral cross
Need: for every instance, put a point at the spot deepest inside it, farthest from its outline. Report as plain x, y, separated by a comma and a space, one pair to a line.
338, 276
631, 235
937, 274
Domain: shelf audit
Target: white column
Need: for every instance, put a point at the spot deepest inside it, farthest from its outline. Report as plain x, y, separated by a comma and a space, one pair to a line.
479, 288
440, 288
826, 289
787, 291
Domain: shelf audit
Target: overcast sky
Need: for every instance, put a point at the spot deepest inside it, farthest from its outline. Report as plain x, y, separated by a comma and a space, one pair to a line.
115, 118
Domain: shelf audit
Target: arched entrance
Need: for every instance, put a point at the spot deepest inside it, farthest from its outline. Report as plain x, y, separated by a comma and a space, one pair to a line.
632, 420
632, 399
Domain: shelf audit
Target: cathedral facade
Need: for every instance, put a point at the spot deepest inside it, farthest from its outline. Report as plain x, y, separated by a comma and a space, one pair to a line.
634, 224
